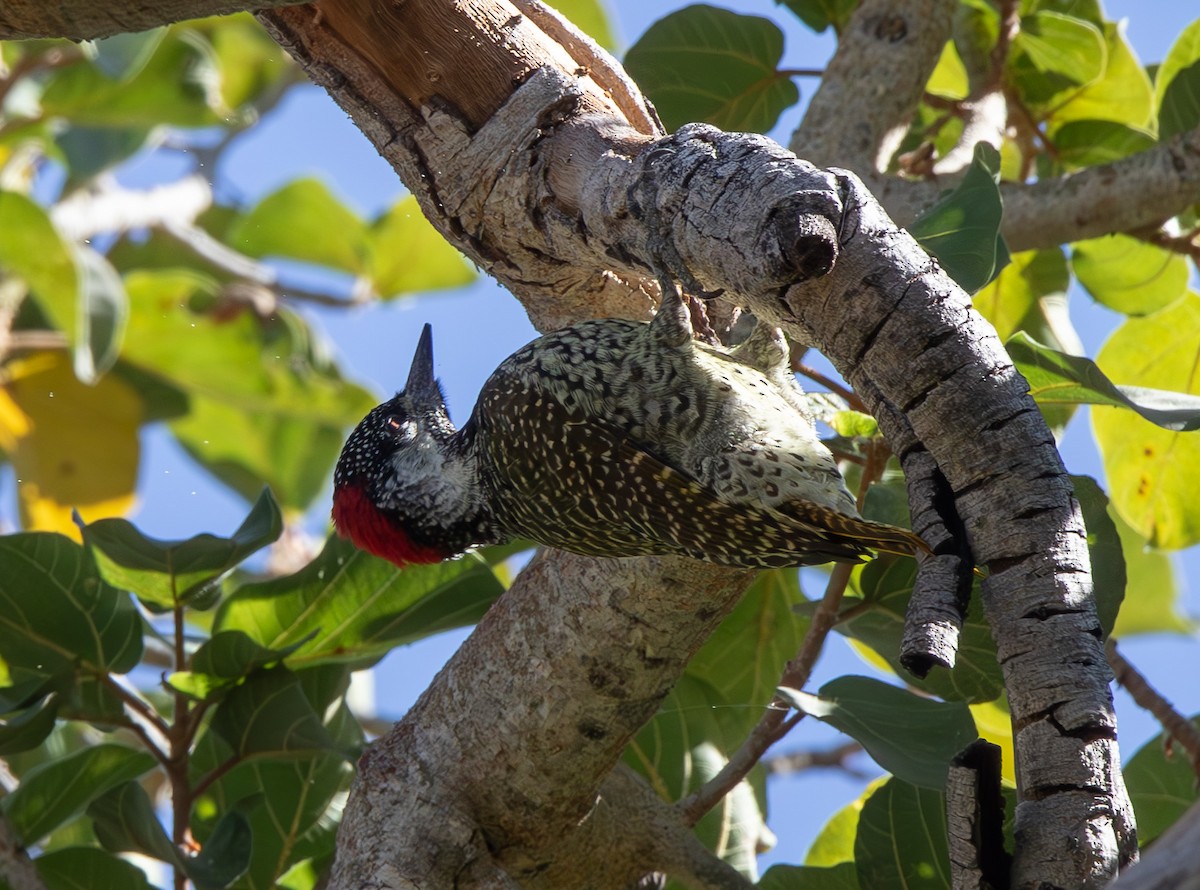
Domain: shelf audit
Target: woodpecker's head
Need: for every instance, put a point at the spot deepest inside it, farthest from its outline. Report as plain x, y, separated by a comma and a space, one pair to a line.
399, 486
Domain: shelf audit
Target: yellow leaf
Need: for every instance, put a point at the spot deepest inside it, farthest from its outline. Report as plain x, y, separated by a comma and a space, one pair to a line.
994, 723
73, 446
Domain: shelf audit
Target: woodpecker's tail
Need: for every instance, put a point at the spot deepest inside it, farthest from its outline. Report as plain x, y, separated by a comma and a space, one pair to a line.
877, 536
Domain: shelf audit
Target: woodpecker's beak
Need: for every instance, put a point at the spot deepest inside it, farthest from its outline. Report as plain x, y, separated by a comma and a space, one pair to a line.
421, 386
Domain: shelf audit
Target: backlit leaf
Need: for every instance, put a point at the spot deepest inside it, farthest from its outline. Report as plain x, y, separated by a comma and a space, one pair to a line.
1162, 785
409, 256
73, 446
1177, 85
1152, 472
1129, 275
87, 868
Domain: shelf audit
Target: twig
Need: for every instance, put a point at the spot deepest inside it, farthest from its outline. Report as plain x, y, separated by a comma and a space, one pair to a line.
828, 758
17, 871
1181, 730
832, 385
214, 774
777, 721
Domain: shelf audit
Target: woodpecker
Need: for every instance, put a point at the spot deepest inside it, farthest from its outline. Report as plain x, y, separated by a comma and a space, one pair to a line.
609, 438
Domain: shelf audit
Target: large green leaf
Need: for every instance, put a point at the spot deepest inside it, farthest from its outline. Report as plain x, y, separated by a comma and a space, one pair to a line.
87, 868
1053, 53
1104, 547
58, 790
269, 715
251, 65
902, 839
1177, 85
125, 821
1153, 598
226, 854
31, 249
29, 727
1128, 275
102, 314
1152, 472
1162, 785
707, 64
57, 613
164, 574
176, 86
359, 606
1088, 143
1123, 93
303, 220
843, 876
963, 228
269, 405
744, 658
223, 660
408, 255
910, 736
1056, 378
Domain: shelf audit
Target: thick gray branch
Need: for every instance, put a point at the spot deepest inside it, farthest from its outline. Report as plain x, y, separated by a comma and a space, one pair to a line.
89, 20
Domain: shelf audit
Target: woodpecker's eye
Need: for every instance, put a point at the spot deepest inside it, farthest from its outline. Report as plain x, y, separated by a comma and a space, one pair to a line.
403, 429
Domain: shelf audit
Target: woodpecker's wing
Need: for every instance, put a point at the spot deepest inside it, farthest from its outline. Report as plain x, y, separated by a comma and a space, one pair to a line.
582, 484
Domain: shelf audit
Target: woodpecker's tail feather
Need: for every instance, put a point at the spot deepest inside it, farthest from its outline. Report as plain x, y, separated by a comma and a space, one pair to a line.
877, 536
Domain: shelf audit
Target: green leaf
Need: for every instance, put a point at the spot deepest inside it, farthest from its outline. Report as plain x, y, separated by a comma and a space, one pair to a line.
304, 221
1059, 379
89, 151
1104, 547
1122, 94
949, 79
1088, 143
1153, 598
702, 63
87, 868
226, 854
834, 844
359, 606
25, 730
1152, 472
1010, 301
124, 821
1177, 85
912, 737
963, 228
165, 573
1128, 275
409, 256
123, 56
268, 405
55, 792
1054, 53
222, 660
743, 659
56, 612
590, 17
252, 69
269, 715
855, 425
103, 313
31, 249
843, 876
177, 86
886, 584
902, 839
1161, 786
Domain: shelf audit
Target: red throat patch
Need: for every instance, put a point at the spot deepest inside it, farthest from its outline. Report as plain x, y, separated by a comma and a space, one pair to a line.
370, 529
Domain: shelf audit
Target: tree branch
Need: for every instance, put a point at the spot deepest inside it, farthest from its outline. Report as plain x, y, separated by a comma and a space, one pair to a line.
87, 20
1177, 727
17, 870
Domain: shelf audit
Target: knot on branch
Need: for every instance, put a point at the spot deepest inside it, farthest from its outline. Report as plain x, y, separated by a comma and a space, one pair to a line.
734, 212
